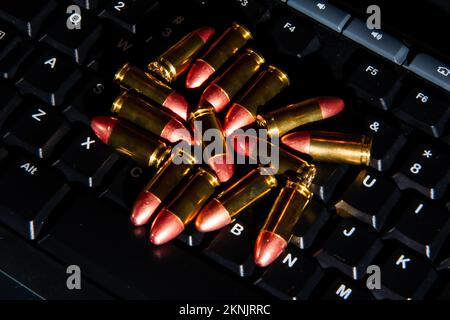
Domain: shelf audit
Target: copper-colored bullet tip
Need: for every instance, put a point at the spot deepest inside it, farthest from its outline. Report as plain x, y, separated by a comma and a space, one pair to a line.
175, 131
165, 227
205, 33
177, 104
237, 117
103, 126
144, 207
330, 106
268, 248
212, 217
198, 74
216, 96
219, 164
299, 141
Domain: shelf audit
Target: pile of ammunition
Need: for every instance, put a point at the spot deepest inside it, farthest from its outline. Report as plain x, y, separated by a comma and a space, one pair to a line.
152, 118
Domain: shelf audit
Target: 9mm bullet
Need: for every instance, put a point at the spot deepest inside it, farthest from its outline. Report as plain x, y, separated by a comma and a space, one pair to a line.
130, 141
220, 92
233, 39
132, 108
331, 146
283, 216
171, 220
166, 179
221, 210
175, 61
243, 112
283, 120
202, 119
130, 77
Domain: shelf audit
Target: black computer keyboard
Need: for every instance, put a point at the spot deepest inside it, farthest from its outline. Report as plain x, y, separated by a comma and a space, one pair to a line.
65, 197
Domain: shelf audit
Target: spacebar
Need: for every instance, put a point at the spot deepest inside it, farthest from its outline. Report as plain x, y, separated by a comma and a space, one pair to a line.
99, 238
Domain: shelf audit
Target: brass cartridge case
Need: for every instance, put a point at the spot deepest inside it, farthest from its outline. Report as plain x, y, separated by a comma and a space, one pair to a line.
193, 195
290, 204
340, 147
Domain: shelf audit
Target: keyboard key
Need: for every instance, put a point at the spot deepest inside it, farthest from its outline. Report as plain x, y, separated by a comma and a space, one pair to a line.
38, 130
10, 100
99, 238
445, 293
424, 110
327, 178
323, 12
31, 269
254, 11
190, 236
30, 192
10, 63
8, 39
292, 37
343, 289
310, 223
128, 13
27, 16
88, 4
86, 159
291, 277
444, 265
422, 227
351, 248
233, 248
431, 69
425, 170
370, 198
75, 41
405, 276
94, 99
387, 141
127, 183
374, 82
377, 41
50, 77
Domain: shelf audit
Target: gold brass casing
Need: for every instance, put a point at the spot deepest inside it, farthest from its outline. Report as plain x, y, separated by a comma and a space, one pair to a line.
132, 108
268, 84
170, 174
240, 72
283, 120
146, 150
193, 195
340, 147
177, 58
246, 191
290, 204
234, 38
130, 77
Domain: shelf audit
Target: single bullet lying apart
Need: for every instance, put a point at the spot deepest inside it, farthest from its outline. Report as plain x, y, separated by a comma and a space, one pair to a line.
331, 146
285, 119
220, 51
171, 220
160, 186
221, 210
201, 120
130, 141
224, 88
130, 77
243, 112
283, 216
175, 61
130, 107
